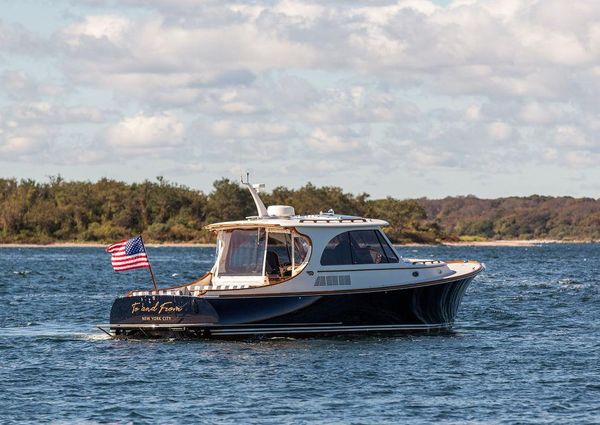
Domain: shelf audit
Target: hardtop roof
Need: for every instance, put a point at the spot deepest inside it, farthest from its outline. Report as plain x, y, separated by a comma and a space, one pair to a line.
314, 220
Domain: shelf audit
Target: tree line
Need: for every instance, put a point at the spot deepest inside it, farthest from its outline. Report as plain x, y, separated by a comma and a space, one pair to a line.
532, 217
162, 211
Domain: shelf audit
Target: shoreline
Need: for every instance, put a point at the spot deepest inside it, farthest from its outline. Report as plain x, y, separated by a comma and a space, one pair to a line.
516, 243
505, 242
492, 243
102, 245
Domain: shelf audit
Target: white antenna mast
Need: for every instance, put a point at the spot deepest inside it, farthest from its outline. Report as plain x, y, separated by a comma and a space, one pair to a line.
254, 189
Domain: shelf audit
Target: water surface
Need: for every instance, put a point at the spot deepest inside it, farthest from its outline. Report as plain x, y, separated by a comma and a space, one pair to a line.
525, 349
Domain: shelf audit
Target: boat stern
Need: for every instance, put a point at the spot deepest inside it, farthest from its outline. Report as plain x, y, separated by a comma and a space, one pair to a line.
161, 309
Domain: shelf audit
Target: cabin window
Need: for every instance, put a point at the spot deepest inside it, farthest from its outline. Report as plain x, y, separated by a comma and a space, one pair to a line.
358, 247
281, 251
279, 255
389, 251
366, 248
245, 253
337, 251
301, 249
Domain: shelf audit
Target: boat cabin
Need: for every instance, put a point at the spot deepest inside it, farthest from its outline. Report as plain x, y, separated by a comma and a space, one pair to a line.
273, 252
259, 255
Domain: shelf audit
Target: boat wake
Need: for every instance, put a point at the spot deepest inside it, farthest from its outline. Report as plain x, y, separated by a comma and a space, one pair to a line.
52, 332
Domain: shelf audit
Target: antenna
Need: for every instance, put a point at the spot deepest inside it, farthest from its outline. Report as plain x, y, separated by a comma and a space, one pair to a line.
260, 206
247, 178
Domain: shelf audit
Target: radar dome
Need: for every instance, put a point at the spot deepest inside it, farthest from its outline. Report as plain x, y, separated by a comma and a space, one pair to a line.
280, 211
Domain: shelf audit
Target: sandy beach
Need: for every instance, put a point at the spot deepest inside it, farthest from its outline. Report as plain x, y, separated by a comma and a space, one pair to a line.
491, 243
100, 245
531, 242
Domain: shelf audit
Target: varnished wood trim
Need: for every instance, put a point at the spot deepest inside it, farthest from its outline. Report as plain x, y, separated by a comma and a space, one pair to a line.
185, 285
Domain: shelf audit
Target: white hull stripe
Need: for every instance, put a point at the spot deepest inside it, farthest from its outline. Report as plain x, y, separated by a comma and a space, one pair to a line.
323, 329
281, 330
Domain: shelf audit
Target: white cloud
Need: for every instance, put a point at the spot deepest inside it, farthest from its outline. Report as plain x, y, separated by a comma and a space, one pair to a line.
112, 28
50, 114
425, 157
43, 132
456, 87
152, 54
226, 129
568, 136
473, 113
153, 132
20, 86
579, 159
17, 40
336, 140
24, 143
499, 130
500, 48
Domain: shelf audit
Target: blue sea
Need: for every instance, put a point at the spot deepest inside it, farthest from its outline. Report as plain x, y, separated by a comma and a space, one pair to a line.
525, 349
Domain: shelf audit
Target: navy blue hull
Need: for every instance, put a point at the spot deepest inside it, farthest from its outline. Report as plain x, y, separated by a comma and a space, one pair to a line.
414, 308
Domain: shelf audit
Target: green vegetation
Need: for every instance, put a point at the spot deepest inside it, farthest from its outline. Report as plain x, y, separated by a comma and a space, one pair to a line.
108, 210
533, 217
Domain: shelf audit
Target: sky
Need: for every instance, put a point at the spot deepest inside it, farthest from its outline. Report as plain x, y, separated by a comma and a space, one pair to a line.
406, 98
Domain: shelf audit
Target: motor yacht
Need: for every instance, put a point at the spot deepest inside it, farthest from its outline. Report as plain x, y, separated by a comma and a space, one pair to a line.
282, 274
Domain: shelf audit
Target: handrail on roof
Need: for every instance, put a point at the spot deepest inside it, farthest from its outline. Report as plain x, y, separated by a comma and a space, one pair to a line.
427, 262
335, 220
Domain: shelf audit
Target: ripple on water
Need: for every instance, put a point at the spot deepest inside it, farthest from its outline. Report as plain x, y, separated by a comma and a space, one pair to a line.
524, 349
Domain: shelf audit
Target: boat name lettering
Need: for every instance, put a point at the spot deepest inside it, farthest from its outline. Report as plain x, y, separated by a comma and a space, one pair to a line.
158, 307
157, 318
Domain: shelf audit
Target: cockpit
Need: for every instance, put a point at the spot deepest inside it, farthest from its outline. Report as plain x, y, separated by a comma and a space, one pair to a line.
260, 256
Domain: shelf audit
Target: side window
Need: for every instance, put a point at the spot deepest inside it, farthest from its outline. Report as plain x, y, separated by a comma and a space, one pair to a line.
389, 251
279, 244
358, 247
366, 248
337, 251
301, 248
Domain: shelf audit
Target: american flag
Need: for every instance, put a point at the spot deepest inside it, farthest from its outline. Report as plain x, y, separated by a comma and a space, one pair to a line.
128, 254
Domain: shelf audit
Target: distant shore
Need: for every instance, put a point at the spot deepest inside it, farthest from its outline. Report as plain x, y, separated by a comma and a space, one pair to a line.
100, 245
509, 242
490, 243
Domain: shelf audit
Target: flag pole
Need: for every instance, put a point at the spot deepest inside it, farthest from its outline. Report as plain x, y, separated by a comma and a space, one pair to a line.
149, 266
